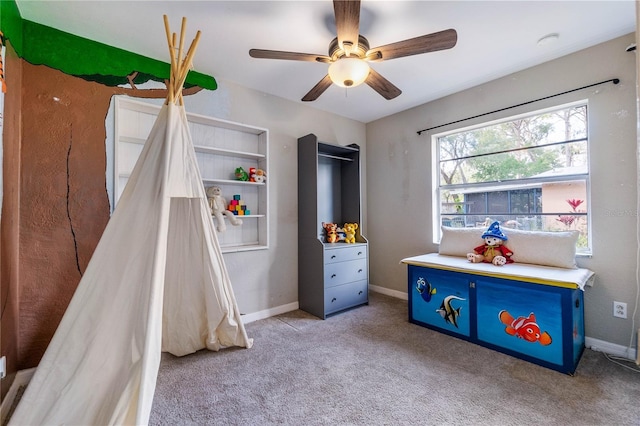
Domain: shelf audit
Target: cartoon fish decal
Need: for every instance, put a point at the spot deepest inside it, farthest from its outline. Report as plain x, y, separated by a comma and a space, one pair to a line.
448, 312
524, 328
424, 287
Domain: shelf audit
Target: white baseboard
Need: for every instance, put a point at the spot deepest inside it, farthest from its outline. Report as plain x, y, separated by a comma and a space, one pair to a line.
255, 316
610, 348
22, 378
393, 293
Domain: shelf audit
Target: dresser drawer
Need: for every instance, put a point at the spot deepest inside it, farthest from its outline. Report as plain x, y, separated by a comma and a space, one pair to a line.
345, 296
345, 272
343, 254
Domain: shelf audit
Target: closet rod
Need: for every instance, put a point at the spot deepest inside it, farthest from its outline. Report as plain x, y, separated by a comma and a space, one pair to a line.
613, 80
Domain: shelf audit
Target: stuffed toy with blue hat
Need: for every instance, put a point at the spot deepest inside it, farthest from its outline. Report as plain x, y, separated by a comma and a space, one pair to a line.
493, 250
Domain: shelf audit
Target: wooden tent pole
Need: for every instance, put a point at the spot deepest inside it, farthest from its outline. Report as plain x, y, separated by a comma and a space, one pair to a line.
179, 67
178, 86
186, 64
173, 61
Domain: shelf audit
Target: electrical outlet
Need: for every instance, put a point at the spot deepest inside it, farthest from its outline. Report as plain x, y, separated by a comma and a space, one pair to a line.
619, 309
3, 367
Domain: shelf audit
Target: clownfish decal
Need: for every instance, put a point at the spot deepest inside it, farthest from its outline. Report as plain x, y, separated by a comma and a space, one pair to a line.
524, 328
424, 287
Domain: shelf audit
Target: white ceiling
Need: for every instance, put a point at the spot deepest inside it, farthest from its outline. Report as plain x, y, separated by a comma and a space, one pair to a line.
495, 38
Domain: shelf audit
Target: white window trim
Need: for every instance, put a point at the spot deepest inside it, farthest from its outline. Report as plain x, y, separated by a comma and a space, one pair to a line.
435, 164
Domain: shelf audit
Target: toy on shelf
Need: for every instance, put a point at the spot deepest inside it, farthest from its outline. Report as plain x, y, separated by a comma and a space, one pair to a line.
238, 207
241, 174
331, 232
257, 175
350, 232
493, 250
218, 206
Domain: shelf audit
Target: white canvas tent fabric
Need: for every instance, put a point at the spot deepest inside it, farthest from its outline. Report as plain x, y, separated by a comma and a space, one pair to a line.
157, 282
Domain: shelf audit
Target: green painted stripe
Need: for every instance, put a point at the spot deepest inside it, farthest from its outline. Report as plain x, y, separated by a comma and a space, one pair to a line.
84, 58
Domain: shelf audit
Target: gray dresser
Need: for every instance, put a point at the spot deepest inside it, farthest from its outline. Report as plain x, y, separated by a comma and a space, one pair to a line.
332, 277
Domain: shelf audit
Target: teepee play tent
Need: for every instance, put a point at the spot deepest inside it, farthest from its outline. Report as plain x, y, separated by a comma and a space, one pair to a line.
157, 282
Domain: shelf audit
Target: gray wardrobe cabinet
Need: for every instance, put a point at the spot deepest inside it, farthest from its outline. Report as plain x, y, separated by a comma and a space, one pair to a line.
332, 277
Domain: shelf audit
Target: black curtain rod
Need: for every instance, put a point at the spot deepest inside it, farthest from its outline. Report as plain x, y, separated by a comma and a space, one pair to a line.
613, 80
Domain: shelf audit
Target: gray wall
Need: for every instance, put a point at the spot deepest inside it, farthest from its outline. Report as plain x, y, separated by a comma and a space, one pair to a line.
266, 279
399, 178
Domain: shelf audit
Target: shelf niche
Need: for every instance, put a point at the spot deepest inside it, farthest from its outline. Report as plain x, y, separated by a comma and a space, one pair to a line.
220, 147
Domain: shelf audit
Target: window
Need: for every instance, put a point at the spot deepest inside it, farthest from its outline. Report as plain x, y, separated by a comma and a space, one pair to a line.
529, 172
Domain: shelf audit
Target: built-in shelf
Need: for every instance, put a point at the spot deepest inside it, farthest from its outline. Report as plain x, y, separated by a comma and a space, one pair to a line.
221, 146
231, 182
230, 153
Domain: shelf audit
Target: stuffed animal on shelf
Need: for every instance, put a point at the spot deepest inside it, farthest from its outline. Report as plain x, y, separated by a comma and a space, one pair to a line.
350, 232
331, 232
218, 205
259, 176
493, 250
241, 174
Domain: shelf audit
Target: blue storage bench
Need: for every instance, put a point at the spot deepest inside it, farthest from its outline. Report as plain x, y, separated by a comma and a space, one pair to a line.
531, 312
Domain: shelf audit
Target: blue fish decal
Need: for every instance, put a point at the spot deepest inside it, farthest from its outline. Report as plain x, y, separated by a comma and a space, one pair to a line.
425, 289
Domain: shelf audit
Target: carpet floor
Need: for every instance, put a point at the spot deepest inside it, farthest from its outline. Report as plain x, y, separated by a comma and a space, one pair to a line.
370, 366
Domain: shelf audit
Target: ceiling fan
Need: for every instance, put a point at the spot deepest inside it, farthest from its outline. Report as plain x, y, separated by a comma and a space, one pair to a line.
349, 53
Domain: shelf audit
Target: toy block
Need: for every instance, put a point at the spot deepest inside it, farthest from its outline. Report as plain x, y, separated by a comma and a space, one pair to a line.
237, 197
247, 212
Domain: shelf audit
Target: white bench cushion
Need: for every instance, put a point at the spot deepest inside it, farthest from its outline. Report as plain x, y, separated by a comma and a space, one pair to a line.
556, 249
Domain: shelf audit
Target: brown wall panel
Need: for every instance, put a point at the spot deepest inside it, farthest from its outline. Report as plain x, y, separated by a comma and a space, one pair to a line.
63, 205
9, 225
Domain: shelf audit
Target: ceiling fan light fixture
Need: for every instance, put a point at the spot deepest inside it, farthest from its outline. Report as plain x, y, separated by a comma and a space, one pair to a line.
349, 72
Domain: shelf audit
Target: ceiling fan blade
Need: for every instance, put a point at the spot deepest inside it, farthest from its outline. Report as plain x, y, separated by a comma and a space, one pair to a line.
291, 56
414, 46
347, 22
382, 85
318, 89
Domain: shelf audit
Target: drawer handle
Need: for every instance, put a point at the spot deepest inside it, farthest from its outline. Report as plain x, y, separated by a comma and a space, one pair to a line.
360, 292
333, 276
359, 270
333, 300
333, 257
359, 253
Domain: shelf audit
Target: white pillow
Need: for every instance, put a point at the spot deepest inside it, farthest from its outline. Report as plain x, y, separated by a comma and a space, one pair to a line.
460, 241
543, 248
537, 247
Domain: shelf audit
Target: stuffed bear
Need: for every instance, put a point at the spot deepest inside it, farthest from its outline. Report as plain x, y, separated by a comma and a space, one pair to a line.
218, 206
258, 175
350, 232
331, 230
493, 250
